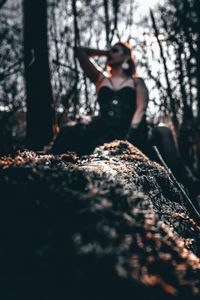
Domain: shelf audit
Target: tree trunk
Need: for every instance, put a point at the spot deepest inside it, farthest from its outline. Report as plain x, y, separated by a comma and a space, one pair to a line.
40, 107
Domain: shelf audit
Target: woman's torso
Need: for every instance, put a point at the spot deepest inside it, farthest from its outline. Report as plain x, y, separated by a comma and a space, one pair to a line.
117, 106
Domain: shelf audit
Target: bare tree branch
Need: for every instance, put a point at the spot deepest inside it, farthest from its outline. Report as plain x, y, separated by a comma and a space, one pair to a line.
76, 43
169, 89
107, 22
2, 2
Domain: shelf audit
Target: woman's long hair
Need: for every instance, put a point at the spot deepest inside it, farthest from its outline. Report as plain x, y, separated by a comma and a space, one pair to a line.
131, 71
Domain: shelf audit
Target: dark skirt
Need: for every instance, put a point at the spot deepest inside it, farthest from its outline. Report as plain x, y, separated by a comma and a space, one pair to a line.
83, 138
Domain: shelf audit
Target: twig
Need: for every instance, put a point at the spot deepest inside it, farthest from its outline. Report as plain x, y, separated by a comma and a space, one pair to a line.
169, 88
177, 183
107, 22
76, 43
57, 63
2, 2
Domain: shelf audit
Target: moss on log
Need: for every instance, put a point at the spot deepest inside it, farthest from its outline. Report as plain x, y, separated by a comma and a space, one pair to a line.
111, 225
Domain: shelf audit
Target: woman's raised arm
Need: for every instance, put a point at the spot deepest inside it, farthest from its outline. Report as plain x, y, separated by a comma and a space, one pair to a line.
88, 67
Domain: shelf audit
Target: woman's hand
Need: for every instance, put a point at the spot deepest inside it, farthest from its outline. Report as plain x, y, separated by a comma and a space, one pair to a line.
107, 52
133, 131
135, 126
132, 134
85, 120
89, 68
72, 123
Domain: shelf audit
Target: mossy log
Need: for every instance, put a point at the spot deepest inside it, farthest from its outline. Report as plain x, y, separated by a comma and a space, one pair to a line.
111, 225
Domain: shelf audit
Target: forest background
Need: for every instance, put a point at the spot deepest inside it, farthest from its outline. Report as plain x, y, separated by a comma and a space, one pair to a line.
43, 87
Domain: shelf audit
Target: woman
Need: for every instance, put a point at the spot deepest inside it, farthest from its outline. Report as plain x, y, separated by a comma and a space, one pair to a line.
122, 98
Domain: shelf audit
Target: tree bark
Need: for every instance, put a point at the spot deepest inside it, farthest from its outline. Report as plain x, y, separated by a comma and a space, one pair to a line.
40, 106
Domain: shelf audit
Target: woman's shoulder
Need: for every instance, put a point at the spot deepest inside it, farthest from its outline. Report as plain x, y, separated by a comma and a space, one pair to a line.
139, 82
138, 79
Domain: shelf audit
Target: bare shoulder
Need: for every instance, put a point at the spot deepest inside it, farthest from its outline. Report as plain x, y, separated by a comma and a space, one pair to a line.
139, 80
140, 84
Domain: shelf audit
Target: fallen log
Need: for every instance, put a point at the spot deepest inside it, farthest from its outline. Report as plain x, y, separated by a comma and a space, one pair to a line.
106, 226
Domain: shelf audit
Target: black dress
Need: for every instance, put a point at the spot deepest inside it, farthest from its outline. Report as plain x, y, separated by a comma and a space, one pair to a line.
116, 112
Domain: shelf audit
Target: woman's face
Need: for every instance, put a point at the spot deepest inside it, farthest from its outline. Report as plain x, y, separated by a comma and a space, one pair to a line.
116, 56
